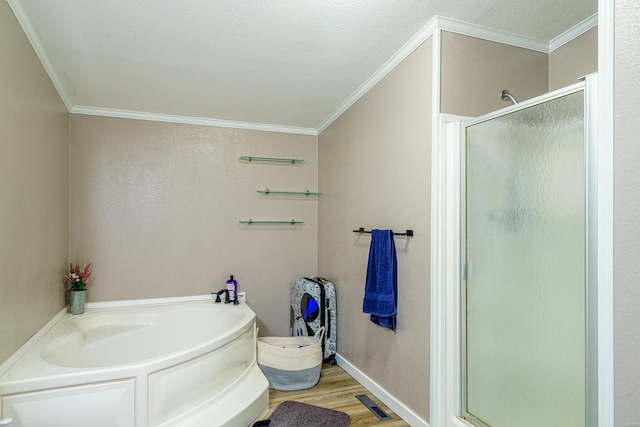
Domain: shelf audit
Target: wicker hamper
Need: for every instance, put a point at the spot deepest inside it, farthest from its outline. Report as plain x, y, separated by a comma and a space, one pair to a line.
291, 363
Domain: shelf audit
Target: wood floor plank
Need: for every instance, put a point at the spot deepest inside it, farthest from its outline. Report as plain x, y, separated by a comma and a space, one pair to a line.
337, 390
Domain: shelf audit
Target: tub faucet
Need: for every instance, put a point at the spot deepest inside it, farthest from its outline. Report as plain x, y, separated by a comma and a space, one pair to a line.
220, 292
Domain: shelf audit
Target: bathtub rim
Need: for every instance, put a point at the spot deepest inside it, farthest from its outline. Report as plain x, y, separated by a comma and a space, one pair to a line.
139, 374
35, 338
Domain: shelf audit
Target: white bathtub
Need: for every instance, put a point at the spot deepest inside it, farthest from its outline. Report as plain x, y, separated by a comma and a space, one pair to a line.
165, 362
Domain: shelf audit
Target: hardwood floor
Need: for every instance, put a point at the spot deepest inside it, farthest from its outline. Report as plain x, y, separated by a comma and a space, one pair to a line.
338, 390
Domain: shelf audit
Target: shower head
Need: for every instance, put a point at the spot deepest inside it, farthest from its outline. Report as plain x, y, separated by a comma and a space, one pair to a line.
506, 96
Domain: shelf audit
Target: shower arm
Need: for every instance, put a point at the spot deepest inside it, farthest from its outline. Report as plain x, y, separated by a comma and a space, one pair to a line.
506, 96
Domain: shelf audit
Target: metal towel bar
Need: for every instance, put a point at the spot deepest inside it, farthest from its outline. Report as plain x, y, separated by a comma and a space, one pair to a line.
408, 233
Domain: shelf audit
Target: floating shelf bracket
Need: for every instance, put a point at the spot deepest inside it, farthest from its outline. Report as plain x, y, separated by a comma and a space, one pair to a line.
304, 193
256, 221
270, 159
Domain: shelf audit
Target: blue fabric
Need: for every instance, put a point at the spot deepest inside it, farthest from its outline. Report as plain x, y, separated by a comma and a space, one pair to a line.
381, 286
311, 309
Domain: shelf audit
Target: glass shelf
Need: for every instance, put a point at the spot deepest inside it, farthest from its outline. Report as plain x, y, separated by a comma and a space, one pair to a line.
304, 193
270, 159
256, 221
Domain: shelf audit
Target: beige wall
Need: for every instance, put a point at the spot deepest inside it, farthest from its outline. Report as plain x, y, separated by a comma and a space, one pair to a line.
575, 59
627, 214
475, 72
156, 207
33, 190
375, 173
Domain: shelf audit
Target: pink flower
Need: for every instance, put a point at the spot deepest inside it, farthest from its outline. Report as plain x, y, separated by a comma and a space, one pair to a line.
78, 276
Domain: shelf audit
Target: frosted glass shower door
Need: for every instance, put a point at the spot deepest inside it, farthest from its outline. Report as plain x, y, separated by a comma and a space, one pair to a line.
524, 345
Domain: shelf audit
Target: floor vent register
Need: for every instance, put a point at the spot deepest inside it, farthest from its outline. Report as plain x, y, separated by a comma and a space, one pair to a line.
373, 407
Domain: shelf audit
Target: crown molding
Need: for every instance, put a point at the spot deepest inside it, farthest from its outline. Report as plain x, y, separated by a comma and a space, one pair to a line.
574, 32
32, 35
489, 34
391, 63
203, 121
436, 24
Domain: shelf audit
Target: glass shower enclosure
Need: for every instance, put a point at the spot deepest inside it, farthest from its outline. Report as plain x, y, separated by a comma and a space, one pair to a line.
524, 249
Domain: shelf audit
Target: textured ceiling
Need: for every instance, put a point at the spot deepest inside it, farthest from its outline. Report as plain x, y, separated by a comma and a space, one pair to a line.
280, 62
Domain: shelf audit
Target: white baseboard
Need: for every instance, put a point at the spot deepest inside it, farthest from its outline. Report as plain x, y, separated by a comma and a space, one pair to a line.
394, 404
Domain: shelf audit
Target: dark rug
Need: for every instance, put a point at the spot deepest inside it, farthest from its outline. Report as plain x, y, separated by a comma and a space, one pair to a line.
296, 414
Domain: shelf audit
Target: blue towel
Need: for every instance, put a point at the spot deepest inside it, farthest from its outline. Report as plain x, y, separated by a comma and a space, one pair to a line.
381, 286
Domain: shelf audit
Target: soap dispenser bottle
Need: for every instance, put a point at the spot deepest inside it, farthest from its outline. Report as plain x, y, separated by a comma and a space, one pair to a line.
232, 287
